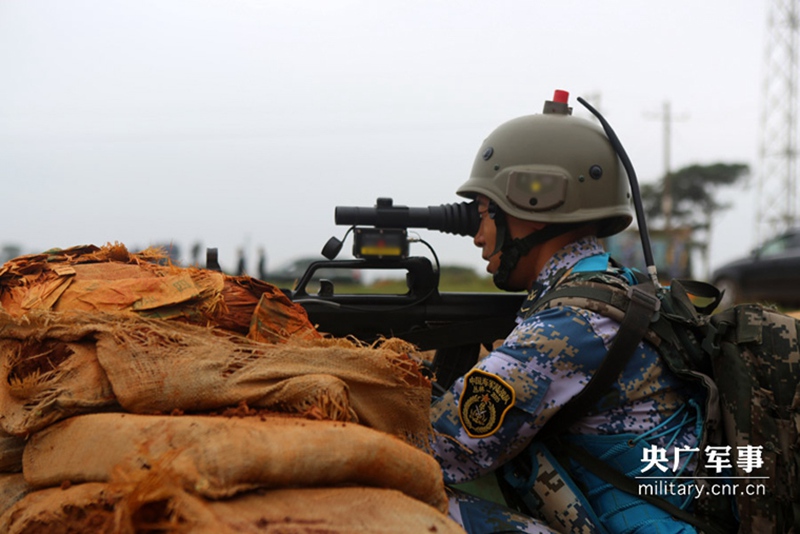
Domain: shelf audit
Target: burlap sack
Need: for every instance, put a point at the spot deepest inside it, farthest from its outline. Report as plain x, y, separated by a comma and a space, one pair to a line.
85, 508
157, 367
11, 453
218, 457
274, 321
334, 510
111, 279
157, 506
12, 488
53, 368
317, 396
49, 371
38, 281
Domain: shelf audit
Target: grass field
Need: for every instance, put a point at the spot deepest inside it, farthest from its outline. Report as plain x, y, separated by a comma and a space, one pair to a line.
452, 279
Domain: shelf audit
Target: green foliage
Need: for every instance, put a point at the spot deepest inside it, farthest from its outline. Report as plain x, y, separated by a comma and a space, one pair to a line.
694, 193
458, 278
453, 278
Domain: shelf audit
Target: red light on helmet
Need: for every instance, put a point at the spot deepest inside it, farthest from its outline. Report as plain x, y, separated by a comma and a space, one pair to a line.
561, 97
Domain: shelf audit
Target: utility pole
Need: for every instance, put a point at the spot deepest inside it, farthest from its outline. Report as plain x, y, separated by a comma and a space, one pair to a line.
667, 118
777, 208
667, 201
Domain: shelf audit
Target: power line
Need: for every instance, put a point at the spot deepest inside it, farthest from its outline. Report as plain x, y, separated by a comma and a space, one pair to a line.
777, 183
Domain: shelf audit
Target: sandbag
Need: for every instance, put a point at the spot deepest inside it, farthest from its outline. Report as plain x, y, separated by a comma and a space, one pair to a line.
274, 321
59, 365
111, 279
49, 371
157, 506
84, 508
155, 367
318, 396
11, 448
12, 488
219, 457
334, 510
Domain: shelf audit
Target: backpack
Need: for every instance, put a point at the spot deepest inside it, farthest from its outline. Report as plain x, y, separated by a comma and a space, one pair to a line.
747, 358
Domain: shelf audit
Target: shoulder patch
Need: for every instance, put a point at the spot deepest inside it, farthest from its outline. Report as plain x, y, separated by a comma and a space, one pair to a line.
484, 402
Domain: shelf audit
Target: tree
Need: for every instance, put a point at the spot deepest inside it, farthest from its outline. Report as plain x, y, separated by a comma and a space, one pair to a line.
693, 191
9, 251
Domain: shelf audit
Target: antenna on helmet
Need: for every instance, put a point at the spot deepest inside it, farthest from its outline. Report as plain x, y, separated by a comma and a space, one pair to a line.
637, 196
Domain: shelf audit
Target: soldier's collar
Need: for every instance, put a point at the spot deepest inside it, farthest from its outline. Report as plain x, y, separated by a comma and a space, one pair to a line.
559, 266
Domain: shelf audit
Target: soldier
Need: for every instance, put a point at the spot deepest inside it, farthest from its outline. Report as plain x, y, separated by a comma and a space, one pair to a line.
548, 187
241, 262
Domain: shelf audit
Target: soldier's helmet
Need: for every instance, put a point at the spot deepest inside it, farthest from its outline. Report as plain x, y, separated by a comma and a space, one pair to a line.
553, 168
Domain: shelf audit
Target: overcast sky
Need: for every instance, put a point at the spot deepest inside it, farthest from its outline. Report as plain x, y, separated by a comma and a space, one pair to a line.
243, 123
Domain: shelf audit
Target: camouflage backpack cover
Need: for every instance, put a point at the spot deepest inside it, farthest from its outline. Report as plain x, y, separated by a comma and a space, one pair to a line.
756, 364
748, 359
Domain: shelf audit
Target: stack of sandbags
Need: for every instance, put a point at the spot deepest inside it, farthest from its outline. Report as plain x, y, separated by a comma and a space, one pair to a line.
111, 279
155, 506
13, 486
133, 423
205, 473
57, 365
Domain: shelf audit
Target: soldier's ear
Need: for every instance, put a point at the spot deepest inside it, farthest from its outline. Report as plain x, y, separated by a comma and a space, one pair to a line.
522, 228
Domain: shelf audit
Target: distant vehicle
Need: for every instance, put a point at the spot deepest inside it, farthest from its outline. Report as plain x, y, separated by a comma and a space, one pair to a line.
286, 275
770, 274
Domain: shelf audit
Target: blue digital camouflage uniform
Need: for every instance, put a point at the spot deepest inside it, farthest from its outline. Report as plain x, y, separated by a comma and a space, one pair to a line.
491, 415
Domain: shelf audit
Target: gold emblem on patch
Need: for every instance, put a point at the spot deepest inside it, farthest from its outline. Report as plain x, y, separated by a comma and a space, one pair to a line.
484, 403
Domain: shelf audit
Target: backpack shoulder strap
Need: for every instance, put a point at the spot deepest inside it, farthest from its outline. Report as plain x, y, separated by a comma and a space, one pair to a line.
599, 292
639, 315
642, 308
639, 309
631, 486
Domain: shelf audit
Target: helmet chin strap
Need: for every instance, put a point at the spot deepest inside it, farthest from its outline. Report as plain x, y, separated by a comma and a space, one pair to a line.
514, 249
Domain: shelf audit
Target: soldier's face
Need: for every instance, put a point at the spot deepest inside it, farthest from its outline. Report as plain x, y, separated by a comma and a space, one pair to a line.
486, 238
527, 269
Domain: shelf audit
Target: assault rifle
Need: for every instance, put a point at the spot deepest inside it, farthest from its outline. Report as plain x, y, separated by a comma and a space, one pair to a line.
455, 325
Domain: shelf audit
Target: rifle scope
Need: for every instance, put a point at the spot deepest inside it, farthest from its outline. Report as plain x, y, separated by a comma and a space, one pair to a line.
456, 218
